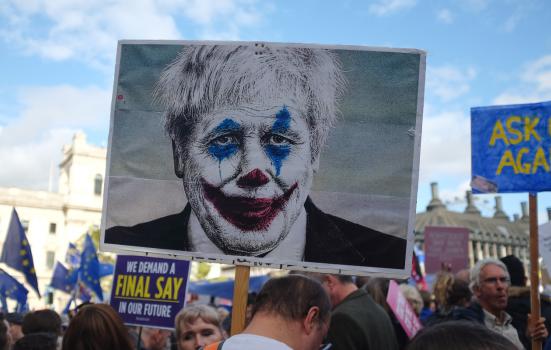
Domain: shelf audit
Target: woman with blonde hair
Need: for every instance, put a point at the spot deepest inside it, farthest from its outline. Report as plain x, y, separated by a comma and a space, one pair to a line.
198, 326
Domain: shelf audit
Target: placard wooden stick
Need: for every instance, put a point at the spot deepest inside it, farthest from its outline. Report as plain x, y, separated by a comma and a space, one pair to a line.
240, 293
534, 266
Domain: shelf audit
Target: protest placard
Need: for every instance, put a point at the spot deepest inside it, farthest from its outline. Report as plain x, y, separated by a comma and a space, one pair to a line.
266, 154
402, 310
149, 291
511, 148
446, 248
511, 152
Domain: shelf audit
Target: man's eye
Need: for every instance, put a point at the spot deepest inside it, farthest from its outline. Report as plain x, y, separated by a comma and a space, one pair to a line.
207, 333
276, 139
187, 336
224, 140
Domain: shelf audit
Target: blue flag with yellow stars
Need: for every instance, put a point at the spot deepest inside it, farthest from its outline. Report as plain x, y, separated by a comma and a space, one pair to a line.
72, 257
90, 267
64, 279
17, 251
10, 288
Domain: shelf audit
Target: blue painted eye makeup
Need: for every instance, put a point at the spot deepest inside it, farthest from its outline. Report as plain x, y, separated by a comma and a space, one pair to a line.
224, 142
278, 147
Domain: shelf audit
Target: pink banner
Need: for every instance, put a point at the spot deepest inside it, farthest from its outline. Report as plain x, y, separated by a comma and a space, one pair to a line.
402, 310
446, 248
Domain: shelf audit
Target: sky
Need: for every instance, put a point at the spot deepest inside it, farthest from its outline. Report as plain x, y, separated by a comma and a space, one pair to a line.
57, 66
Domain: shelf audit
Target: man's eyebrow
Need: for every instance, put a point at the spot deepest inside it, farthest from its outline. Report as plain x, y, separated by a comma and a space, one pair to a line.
284, 132
225, 126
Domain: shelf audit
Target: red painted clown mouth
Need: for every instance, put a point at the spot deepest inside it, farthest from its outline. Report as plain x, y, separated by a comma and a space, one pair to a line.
247, 214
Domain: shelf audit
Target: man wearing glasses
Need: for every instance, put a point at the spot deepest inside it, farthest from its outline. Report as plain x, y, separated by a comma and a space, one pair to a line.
490, 283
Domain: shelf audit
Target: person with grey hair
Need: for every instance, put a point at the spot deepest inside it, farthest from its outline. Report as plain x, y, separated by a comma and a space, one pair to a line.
247, 125
489, 282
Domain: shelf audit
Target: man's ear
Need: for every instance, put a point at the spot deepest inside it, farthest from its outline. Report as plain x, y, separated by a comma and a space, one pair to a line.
177, 164
311, 320
330, 280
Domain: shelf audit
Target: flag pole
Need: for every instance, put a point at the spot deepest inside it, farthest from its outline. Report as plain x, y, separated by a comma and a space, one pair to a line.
534, 265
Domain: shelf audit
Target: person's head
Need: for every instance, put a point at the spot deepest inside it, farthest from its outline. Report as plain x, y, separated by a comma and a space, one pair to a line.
459, 335
154, 338
463, 275
296, 302
96, 327
413, 297
15, 320
197, 325
247, 125
441, 287
459, 294
338, 287
378, 289
490, 283
515, 269
37, 341
42, 321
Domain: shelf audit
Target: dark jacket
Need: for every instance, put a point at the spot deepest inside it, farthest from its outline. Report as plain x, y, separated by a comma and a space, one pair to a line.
472, 313
518, 306
329, 239
358, 323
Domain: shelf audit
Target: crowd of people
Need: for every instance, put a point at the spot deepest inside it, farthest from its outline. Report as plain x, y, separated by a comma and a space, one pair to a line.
484, 308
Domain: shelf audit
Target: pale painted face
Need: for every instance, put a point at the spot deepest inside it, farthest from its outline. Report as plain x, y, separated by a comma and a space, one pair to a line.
247, 174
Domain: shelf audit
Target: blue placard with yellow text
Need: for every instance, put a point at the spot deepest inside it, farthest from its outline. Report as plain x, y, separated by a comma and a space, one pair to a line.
149, 291
511, 148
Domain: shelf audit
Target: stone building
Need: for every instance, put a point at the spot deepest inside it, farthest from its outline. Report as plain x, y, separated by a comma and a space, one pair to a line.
53, 219
495, 236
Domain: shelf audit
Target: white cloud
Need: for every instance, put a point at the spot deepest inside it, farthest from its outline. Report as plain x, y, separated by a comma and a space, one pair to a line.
387, 7
88, 30
533, 84
448, 82
445, 145
32, 142
445, 16
455, 195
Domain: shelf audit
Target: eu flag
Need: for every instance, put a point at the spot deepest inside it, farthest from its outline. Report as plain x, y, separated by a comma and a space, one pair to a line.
17, 251
90, 267
64, 279
72, 257
10, 288
106, 269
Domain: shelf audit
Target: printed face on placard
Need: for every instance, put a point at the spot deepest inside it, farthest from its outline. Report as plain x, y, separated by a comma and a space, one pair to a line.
247, 173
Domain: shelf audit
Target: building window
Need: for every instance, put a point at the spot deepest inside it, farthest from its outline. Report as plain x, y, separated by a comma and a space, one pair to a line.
25, 224
98, 182
50, 259
52, 228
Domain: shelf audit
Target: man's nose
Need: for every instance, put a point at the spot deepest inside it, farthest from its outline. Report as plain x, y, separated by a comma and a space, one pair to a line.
255, 178
254, 158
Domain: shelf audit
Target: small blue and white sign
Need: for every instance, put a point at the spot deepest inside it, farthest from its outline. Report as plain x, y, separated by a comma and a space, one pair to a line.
511, 148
